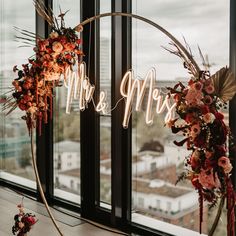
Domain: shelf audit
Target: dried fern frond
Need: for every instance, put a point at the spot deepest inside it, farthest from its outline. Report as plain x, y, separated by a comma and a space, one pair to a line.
27, 33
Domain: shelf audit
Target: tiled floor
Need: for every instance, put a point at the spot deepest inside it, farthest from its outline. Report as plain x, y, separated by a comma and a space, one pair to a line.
70, 226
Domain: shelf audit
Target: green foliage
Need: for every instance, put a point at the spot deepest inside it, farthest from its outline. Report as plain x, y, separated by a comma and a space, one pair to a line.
67, 127
156, 131
25, 158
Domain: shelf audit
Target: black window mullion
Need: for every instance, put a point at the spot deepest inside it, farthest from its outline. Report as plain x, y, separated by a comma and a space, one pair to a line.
232, 104
89, 120
44, 143
121, 138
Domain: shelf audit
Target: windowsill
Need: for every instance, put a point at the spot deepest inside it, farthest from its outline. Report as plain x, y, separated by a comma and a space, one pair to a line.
163, 226
18, 180
67, 196
136, 218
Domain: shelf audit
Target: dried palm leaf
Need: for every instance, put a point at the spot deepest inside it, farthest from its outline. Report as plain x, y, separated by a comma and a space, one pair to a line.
224, 84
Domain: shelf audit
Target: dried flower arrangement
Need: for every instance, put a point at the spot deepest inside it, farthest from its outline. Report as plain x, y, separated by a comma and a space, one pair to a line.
33, 88
23, 222
206, 135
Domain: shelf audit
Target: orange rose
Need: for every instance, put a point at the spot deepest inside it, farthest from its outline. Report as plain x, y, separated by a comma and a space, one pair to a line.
57, 47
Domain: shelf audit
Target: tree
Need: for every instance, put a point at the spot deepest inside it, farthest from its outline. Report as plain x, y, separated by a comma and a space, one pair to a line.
25, 157
147, 133
67, 127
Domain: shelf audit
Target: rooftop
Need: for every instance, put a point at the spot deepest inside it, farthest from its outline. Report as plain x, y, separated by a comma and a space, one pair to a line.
163, 189
76, 173
73, 172
154, 146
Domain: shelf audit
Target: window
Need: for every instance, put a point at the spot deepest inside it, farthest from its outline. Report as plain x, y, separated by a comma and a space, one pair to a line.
105, 120
67, 127
15, 154
141, 202
72, 184
155, 143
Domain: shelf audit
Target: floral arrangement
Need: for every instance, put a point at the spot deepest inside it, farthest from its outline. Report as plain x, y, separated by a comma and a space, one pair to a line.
33, 88
23, 222
206, 135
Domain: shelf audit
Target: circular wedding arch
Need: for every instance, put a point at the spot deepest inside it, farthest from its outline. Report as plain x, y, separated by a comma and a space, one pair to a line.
79, 29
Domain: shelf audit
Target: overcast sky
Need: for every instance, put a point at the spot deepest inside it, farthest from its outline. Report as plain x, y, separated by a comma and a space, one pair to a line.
203, 22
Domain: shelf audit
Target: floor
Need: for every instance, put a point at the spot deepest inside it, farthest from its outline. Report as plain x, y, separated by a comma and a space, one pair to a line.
70, 226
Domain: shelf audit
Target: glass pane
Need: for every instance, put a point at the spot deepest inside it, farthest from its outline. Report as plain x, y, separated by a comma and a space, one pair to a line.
105, 120
67, 126
105, 160
15, 155
157, 162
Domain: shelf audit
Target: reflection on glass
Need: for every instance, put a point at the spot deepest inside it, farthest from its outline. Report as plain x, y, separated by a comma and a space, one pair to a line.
15, 154
67, 126
105, 121
156, 162
105, 159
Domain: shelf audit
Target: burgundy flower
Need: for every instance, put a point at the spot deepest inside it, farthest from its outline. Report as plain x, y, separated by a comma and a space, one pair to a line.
205, 109
195, 183
219, 116
198, 85
195, 160
208, 100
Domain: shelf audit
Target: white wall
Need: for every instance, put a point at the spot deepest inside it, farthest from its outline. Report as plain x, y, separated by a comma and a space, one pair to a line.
69, 160
181, 203
66, 181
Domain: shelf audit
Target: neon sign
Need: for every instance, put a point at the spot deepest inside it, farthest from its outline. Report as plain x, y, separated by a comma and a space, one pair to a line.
132, 90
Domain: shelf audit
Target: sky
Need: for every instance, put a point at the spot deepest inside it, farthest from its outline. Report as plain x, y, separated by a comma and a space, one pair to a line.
203, 22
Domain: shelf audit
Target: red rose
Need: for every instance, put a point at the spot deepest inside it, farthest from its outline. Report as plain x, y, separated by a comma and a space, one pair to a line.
31, 220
